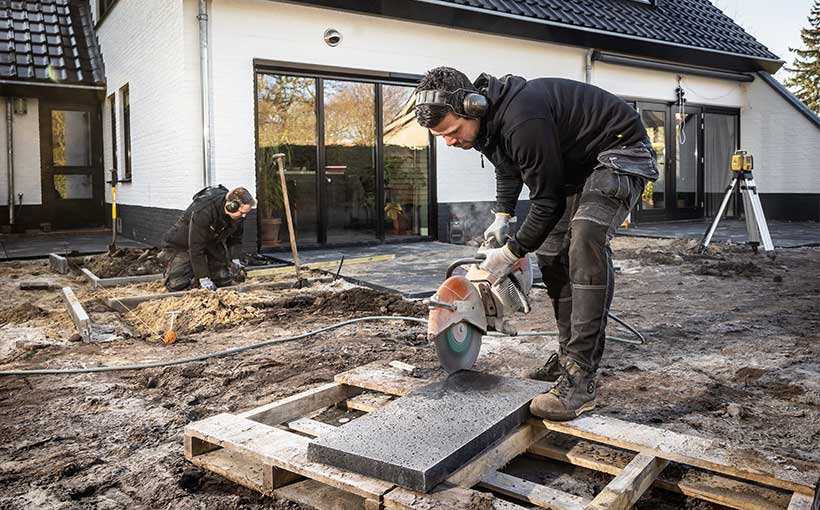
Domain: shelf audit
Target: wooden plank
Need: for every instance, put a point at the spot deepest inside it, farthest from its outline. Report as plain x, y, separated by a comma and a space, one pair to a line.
310, 427
800, 502
322, 266
376, 377
626, 488
711, 454
128, 303
497, 455
368, 402
128, 280
314, 494
695, 483
300, 404
77, 313
545, 497
235, 467
285, 450
444, 497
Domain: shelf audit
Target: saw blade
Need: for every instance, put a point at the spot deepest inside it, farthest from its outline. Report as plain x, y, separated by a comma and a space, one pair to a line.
458, 346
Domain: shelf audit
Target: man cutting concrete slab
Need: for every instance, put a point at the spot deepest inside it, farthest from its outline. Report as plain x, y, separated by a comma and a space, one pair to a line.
585, 156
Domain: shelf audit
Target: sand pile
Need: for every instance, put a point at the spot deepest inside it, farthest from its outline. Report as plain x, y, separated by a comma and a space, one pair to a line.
21, 313
125, 262
199, 310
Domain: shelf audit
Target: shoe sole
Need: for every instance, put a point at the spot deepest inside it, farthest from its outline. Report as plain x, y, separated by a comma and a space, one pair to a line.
589, 406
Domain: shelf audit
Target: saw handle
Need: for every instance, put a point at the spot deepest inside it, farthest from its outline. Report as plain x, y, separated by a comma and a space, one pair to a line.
478, 259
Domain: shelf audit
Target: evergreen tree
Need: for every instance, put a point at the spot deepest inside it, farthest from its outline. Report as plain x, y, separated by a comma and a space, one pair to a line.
806, 72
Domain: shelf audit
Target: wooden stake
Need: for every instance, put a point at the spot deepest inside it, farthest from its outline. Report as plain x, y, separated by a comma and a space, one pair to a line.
279, 157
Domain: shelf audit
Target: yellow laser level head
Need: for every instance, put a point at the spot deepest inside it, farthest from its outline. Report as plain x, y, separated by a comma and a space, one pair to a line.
742, 161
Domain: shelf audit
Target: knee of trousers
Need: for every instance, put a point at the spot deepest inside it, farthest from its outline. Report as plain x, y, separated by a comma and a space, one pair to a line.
588, 253
554, 274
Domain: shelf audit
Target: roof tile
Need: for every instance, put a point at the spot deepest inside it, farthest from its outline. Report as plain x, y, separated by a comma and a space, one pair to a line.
49, 40
695, 23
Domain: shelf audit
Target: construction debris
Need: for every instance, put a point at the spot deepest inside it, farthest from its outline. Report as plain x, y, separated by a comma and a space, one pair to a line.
125, 262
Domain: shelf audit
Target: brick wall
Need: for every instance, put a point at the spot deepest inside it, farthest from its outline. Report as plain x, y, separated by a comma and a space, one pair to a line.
149, 224
147, 45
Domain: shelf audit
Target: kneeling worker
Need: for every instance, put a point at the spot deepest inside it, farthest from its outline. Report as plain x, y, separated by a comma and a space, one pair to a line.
205, 241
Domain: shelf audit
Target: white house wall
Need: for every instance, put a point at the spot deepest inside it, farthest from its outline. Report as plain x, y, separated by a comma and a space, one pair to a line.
147, 45
244, 30
783, 142
27, 176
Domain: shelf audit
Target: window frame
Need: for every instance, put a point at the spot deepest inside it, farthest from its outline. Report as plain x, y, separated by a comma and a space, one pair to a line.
125, 107
375, 78
112, 109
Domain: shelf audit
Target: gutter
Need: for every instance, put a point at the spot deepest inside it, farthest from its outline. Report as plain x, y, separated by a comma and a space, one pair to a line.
204, 68
791, 98
55, 85
10, 155
610, 58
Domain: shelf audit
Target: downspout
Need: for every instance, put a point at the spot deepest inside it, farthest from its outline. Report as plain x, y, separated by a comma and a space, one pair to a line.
588, 66
207, 176
10, 155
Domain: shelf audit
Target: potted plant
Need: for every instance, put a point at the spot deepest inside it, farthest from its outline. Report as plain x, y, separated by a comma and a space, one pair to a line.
270, 199
393, 211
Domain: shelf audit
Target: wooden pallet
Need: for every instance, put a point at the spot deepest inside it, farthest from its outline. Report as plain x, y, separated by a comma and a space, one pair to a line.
265, 449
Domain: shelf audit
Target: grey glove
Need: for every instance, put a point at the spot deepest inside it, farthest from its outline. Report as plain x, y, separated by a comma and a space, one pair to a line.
499, 261
237, 265
207, 283
499, 229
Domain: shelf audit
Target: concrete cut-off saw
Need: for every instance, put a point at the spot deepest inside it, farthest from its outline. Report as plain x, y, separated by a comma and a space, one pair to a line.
466, 307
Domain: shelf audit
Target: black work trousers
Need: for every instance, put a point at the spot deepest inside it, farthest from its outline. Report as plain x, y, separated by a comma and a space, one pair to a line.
576, 259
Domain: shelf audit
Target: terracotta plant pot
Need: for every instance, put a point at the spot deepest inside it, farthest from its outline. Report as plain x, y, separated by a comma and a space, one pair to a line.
269, 231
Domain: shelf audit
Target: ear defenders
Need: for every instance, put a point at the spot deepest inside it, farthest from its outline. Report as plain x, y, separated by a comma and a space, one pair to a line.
232, 206
474, 106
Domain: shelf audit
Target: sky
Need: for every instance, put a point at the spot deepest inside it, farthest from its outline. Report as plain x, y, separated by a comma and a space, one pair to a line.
775, 24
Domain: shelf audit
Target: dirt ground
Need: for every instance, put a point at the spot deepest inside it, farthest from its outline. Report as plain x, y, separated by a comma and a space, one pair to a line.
733, 351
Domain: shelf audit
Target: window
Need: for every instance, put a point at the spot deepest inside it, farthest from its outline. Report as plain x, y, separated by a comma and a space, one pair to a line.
126, 129
112, 107
70, 138
358, 167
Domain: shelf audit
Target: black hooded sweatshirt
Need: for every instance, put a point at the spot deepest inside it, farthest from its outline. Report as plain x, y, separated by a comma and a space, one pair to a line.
547, 133
206, 231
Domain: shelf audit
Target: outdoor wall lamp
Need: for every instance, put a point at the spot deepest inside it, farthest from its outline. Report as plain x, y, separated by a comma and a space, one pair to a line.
20, 106
332, 37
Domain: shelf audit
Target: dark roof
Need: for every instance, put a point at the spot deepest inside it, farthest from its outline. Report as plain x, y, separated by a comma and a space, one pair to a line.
694, 23
690, 32
49, 41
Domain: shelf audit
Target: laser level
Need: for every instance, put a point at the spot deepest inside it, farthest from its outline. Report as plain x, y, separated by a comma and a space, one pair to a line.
756, 228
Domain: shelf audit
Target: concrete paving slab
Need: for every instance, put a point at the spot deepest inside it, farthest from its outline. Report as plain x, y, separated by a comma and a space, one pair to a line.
418, 440
58, 263
77, 313
79, 242
416, 271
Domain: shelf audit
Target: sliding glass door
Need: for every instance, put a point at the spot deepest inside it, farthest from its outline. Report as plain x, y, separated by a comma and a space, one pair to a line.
358, 167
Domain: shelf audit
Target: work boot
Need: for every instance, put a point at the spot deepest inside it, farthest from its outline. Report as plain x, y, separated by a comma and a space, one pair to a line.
572, 395
551, 370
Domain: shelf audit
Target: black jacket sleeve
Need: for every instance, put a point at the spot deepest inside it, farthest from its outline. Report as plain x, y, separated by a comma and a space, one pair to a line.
234, 241
198, 237
535, 149
508, 185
